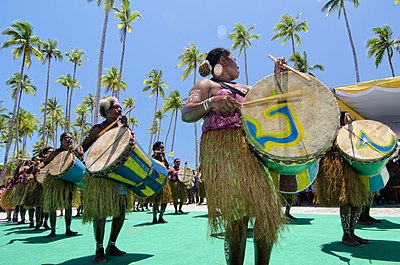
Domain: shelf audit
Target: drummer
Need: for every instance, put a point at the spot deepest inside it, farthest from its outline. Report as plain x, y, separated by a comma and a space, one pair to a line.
53, 187
177, 187
238, 187
104, 197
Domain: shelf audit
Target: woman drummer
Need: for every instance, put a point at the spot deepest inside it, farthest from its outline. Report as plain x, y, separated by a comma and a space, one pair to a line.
338, 184
104, 197
238, 187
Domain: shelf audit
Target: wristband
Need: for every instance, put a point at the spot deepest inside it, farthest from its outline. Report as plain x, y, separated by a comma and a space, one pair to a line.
205, 105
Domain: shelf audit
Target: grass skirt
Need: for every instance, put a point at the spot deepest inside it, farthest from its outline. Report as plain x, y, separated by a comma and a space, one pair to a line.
238, 184
33, 195
178, 190
103, 198
164, 196
57, 194
6, 200
337, 183
18, 193
202, 190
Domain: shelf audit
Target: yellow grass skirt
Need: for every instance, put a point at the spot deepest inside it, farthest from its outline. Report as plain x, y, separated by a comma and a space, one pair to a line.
18, 193
57, 194
164, 196
103, 198
6, 200
178, 191
337, 183
238, 185
33, 195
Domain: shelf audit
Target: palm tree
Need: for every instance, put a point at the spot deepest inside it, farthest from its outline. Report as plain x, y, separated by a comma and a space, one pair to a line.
55, 114
174, 102
75, 57
69, 83
126, 18
21, 36
25, 87
28, 125
160, 115
156, 85
110, 81
49, 51
287, 29
89, 101
128, 103
190, 58
108, 5
82, 111
338, 5
242, 40
302, 63
383, 43
133, 122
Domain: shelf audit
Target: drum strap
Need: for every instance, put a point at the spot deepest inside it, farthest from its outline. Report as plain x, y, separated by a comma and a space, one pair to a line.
232, 89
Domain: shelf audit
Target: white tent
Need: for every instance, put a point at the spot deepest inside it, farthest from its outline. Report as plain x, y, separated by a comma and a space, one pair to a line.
374, 100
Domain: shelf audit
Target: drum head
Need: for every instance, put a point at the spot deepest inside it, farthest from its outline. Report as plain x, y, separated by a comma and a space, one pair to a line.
110, 151
61, 163
42, 174
367, 141
185, 174
298, 127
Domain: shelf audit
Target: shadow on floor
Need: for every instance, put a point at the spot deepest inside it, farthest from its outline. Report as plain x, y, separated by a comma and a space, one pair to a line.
130, 258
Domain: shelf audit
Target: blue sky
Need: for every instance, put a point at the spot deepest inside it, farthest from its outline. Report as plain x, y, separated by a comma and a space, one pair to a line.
168, 27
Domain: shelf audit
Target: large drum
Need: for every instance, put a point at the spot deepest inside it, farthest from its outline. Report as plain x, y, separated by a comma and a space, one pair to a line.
368, 145
185, 175
294, 124
42, 174
67, 167
116, 156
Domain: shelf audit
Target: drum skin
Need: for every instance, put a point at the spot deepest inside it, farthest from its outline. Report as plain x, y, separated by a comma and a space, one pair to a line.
67, 167
293, 131
185, 175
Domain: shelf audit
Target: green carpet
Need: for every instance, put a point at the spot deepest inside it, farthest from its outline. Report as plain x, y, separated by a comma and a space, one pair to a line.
312, 239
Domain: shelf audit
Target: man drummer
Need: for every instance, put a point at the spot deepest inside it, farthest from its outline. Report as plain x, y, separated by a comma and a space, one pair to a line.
53, 187
177, 187
98, 206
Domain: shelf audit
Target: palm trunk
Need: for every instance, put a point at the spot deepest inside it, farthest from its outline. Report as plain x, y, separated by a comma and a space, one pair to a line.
100, 65
245, 66
352, 45
16, 147
173, 134
24, 145
159, 130
44, 142
390, 62
196, 141
121, 63
294, 52
169, 128
66, 104
70, 98
152, 124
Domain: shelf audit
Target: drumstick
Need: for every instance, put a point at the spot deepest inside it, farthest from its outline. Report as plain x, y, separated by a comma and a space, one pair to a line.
276, 97
291, 69
114, 122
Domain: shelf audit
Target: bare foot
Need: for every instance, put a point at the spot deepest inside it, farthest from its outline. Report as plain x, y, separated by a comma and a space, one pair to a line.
112, 250
99, 257
51, 235
291, 217
372, 219
348, 240
361, 240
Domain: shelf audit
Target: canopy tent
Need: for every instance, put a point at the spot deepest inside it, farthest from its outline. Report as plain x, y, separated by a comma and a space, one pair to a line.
374, 100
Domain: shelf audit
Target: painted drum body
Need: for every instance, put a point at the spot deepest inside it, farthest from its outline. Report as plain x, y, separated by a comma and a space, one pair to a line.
117, 156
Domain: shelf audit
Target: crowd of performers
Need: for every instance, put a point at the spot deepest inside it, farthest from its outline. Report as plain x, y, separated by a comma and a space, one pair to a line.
239, 187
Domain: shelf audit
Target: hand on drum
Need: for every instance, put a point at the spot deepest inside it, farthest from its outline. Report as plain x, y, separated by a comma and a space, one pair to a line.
123, 120
223, 104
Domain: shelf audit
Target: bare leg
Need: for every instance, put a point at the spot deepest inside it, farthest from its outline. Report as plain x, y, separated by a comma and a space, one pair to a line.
161, 219
99, 227
345, 217
116, 226
355, 215
235, 242
68, 220
31, 214
53, 220
155, 209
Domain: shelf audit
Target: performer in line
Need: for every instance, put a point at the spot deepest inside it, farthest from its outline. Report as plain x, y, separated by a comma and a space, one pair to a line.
19, 190
164, 196
237, 185
177, 187
338, 184
103, 197
58, 193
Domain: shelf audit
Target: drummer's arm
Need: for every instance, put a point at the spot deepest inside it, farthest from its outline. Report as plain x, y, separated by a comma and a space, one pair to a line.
49, 158
197, 105
89, 140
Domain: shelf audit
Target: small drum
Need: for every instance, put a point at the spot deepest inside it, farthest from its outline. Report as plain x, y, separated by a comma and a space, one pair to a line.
368, 145
185, 175
67, 167
116, 156
291, 128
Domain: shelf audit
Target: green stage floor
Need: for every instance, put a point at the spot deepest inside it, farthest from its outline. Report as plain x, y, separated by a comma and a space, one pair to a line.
312, 239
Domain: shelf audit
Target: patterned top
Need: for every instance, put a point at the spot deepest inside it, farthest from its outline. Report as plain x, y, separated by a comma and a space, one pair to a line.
215, 121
